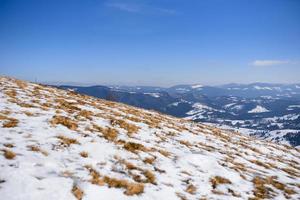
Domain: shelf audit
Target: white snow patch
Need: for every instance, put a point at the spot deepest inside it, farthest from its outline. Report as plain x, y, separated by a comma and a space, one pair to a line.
258, 109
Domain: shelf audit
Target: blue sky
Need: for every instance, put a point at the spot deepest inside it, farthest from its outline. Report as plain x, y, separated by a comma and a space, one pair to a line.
154, 42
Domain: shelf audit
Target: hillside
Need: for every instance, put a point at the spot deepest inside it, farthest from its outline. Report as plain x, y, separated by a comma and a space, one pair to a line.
265, 111
57, 144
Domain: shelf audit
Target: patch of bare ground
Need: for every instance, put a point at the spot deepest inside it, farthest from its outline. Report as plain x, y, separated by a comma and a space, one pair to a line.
65, 121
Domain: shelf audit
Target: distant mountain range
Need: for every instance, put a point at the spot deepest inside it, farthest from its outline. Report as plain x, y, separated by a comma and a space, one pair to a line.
268, 111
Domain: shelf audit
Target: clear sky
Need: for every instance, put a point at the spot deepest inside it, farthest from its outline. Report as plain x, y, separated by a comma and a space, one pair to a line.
151, 42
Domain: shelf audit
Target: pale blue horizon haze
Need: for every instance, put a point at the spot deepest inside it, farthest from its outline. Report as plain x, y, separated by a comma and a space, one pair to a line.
151, 42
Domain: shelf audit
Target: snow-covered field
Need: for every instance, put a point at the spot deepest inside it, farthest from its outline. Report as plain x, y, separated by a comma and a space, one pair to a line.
57, 144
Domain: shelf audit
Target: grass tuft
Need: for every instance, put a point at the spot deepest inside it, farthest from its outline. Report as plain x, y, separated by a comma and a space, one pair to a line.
65, 141
84, 154
217, 180
134, 147
130, 128
77, 192
131, 188
11, 123
8, 154
65, 121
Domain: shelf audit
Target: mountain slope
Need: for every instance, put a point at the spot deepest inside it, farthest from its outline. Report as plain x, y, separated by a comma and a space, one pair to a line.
265, 111
57, 144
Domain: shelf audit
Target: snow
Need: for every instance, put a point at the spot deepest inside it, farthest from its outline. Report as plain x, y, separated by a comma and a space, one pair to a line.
229, 105
258, 109
156, 95
233, 106
194, 154
196, 86
262, 88
294, 106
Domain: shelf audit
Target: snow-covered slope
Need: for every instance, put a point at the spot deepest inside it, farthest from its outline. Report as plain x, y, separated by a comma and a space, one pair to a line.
56, 144
258, 109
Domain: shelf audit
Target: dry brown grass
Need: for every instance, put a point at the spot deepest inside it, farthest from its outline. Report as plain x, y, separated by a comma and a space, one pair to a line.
65, 121
217, 180
8, 154
66, 142
260, 190
37, 149
206, 147
134, 147
130, 128
29, 114
291, 172
181, 196
164, 153
3, 117
134, 119
25, 105
108, 133
257, 162
150, 177
96, 179
262, 187
149, 160
85, 114
186, 143
69, 107
21, 84
77, 192
84, 154
11, 123
191, 189
9, 145
131, 188
11, 93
